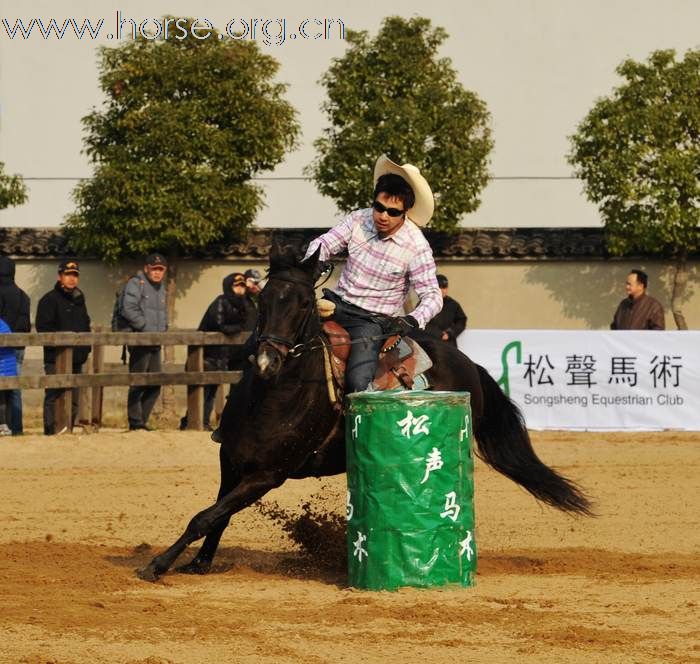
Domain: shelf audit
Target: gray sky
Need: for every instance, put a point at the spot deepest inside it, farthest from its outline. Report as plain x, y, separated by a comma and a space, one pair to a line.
538, 64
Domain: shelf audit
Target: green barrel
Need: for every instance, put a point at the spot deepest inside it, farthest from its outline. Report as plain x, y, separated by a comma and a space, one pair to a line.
410, 502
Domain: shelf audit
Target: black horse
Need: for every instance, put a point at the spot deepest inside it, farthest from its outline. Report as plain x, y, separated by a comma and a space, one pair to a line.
279, 422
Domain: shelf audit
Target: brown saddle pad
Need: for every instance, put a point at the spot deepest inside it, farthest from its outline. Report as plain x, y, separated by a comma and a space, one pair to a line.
397, 367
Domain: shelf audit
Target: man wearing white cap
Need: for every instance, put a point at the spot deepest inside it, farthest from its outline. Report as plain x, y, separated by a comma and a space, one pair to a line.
387, 255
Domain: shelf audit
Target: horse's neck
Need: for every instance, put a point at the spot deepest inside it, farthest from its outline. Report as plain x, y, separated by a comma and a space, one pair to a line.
313, 330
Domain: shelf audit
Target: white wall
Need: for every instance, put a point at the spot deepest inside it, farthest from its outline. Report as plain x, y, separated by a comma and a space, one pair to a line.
538, 64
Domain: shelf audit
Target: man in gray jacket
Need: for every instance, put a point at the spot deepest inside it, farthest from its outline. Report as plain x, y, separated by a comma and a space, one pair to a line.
144, 309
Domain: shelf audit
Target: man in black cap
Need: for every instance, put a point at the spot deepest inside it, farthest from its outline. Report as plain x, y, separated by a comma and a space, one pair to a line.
63, 309
144, 309
451, 320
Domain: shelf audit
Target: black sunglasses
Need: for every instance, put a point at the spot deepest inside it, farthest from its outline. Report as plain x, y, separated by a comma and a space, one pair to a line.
392, 212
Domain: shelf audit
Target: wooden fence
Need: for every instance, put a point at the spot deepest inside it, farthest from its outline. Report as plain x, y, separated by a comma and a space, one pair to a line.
96, 379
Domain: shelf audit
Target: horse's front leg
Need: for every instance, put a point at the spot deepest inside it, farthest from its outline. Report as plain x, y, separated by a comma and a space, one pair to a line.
202, 561
250, 489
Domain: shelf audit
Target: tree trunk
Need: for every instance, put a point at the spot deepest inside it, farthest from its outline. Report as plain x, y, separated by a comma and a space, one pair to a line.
168, 391
680, 279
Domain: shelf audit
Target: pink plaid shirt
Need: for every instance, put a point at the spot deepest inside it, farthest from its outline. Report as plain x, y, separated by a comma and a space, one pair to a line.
379, 272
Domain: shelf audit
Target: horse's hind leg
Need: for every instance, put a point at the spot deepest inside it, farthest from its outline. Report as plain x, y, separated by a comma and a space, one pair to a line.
214, 518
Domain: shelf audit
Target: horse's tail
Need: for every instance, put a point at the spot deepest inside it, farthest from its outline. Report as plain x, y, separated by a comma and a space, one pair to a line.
503, 443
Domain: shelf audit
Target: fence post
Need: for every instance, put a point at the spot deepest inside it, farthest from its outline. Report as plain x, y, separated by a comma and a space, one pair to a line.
195, 393
84, 394
98, 363
63, 416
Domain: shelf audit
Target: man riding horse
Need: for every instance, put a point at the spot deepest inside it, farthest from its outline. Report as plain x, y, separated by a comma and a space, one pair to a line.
387, 255
281, 422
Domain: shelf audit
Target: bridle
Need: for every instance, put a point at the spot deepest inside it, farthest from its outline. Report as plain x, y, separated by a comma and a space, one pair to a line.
294, 346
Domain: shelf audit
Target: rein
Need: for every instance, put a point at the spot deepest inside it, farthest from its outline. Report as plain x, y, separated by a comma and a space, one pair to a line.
296, 353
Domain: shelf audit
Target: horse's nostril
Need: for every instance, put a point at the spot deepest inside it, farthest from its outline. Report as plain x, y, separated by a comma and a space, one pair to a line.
268, 363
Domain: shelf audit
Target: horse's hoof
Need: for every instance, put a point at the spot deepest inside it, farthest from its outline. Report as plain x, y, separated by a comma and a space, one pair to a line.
148, 574
195, 567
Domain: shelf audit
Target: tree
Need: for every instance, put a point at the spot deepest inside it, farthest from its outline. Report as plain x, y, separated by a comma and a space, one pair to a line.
392, 95
638, 153
186, 124
12, 189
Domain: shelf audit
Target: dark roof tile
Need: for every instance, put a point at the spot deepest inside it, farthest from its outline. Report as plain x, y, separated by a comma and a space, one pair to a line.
472, 244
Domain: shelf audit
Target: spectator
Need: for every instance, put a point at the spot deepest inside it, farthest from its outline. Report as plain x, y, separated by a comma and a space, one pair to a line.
63, 309
14, 310
451, 320
8, 367
239, 354
231, 312
638, 311
252, 282
144, 309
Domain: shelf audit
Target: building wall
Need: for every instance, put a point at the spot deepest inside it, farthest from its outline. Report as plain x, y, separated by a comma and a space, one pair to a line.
567, 295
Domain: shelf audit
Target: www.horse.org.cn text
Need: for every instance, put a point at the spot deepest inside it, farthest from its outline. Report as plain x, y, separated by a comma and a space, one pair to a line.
269, 31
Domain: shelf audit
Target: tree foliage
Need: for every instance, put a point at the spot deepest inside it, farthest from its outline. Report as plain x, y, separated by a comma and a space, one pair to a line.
393, 95
638, 153
185, 126
12, 189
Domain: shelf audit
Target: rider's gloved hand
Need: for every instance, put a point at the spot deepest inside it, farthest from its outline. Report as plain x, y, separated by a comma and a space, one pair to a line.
403, 325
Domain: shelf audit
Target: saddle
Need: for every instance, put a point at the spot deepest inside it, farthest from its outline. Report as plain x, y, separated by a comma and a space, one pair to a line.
401, 359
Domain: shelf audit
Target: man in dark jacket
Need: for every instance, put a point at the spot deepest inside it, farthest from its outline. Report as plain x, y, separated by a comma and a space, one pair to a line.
231, 312
63, 309
451, 320
638, 311
145, 310
14, 310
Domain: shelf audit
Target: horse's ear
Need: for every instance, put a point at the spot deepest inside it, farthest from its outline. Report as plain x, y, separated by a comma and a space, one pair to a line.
310, 265
281, 255
276, 251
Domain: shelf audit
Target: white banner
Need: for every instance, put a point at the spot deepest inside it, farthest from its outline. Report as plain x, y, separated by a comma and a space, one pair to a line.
621, 380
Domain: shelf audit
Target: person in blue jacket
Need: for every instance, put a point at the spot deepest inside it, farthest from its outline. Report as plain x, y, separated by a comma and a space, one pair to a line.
14, 310
8, 367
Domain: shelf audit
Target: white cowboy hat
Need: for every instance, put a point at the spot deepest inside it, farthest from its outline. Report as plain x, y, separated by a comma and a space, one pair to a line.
422, 210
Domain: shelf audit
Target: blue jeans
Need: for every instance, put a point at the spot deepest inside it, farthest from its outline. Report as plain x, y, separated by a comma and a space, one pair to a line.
364, 357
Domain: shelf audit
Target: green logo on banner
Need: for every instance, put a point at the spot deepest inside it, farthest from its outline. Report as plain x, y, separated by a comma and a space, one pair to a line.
504, 380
